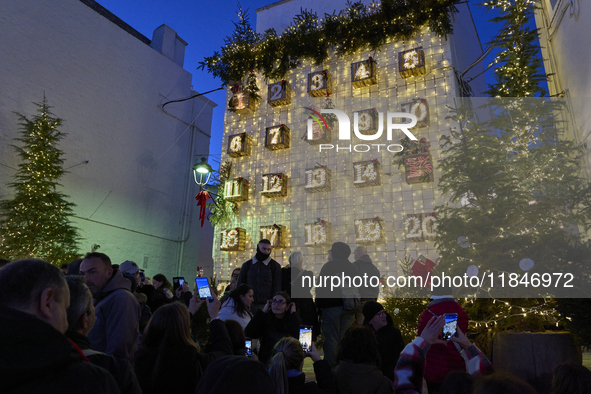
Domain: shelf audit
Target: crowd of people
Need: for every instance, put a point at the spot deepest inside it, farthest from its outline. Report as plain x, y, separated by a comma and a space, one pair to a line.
98, 327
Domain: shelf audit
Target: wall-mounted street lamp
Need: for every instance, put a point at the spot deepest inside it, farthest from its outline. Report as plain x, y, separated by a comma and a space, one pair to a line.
202, 172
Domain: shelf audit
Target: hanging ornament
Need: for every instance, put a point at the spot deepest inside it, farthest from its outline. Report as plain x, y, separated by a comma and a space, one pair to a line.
526, 264
472, 271
423, 267
463, 241
202, 198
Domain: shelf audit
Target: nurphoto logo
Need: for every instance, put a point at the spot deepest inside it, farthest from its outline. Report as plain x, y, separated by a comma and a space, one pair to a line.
317, 125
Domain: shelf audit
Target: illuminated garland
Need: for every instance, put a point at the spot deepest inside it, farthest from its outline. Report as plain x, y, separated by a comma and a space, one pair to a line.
311, 37
222, 210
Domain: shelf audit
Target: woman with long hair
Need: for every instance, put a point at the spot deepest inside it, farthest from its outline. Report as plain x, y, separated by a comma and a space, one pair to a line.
278, 319
357, 372
285, 369
159, 292
237, 306
170, 361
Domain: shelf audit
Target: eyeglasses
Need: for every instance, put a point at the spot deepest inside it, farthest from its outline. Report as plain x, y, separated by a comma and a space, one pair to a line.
278, 302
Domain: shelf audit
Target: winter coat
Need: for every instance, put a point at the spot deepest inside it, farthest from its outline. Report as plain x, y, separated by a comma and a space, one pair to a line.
353, 378
117, 313
177, 369
325, 296
269, 329
36, 358
228, 312
443, 359
265, 280
390, 344
121, 369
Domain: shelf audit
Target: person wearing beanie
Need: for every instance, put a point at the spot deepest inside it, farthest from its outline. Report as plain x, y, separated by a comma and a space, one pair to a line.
390, 342
336, 303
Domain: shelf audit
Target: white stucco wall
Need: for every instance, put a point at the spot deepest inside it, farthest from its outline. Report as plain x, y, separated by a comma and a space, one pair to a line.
135, 195
565, 42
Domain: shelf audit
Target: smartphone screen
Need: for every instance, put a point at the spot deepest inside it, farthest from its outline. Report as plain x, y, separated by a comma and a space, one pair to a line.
142, 276
450, 327
203, 288
248, 347
177, 282
306, 337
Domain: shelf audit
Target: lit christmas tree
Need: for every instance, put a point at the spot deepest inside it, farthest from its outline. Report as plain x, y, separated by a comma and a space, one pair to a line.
516, 197
518, 66
35, 223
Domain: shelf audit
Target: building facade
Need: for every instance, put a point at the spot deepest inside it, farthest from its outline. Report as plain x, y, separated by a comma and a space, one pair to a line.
563, 36
128, 153
298, 183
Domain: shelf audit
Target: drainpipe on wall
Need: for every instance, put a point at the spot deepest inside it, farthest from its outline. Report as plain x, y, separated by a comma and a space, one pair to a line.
186, 217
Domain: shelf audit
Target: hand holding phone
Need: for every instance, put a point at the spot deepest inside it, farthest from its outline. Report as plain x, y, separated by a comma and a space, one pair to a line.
461, 339
195, 303
203, 288
313, 353
432, 330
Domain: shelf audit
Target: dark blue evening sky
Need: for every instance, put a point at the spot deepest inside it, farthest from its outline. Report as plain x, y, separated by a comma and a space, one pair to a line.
204, 25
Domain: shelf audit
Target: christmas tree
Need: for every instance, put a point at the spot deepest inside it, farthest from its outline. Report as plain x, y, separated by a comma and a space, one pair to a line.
35, 223
513, 181
516, 199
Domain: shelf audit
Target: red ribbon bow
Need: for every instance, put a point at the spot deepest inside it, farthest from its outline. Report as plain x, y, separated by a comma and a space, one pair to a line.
423, 270
202, 198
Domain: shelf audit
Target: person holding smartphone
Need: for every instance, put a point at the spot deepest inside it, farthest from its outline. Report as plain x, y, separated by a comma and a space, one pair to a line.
170, 360
409, 370
444, 357
278, 319
285, 369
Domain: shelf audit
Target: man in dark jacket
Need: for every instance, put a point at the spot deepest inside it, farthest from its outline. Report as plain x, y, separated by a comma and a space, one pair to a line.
36, 357
371, 286
80, 322
262, 273
117, 310
337, 303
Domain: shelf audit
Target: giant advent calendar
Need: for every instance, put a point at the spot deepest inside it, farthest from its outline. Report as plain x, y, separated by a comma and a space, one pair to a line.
301, 195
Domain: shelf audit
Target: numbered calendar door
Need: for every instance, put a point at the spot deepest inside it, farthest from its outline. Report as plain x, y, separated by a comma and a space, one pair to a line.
279, 94
320, 83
